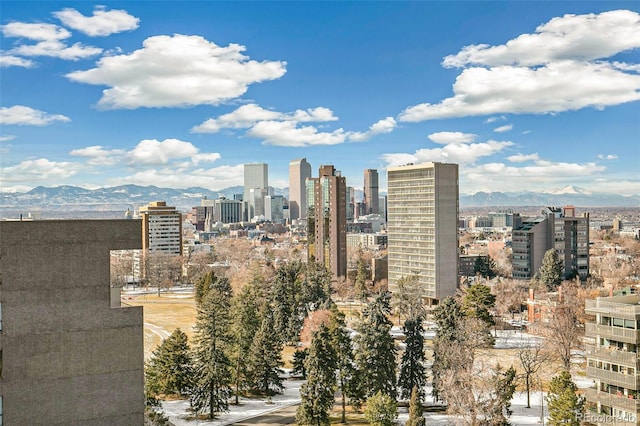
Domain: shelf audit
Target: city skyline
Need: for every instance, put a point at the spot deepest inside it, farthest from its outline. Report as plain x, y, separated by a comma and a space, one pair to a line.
522, 95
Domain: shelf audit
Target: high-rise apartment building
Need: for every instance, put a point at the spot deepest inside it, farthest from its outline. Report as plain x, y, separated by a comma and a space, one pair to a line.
299, 172
327, 220
612, 348
161, 228
554, 228
422, 211
256, 177
371, 197
70, 353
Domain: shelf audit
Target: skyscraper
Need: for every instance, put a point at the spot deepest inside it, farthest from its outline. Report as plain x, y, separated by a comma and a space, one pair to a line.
422, 209
161, 228
327, 220
256, 176
371, 197
299, 172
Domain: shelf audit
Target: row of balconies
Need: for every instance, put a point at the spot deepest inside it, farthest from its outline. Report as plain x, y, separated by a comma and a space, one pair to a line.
629, 381
627, 335
613, 355
622, 402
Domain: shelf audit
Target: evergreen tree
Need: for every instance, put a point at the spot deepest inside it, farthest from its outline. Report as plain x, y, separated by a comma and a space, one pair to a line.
169, 370
341, 341
485, 267
497, 406
287, 300
552, 269
317, 393
205, 283
375, 355
265, 358
246, 309
477, 302
416, 417
316, 291
212, 343
408, 297
412, 373
381, 410
565, 405
298, 361
362, 292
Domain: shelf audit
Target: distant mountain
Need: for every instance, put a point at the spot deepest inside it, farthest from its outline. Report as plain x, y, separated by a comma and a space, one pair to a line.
121, 198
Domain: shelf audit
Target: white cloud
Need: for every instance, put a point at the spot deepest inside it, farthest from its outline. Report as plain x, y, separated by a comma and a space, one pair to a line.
559, 68
57, 49
177, 71
248, 115
570, 37
102, 23
98, 156
504, 128
495, 118
287, 133
7, 138
154, 152
7, 61
39, 170
452, 153
561, 86
24, 116
386, 125
521, 158
212, 178
452, 137
40, 32
607, 157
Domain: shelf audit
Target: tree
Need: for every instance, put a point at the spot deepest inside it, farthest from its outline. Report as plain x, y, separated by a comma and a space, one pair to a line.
206, 282
169, 370
478, 302
485, 267
375, 355
416, 417
408, 297
362, 290
341, 341
552, 269
288, 302
412, 375
298, 362
381, 410
212, 343
565, 405
316, 289
495, 405
317, 393
265, 358
532, 357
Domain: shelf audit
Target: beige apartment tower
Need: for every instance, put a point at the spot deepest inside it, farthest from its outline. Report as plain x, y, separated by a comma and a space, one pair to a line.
299, 172
327, 220
612, 348
161, 228
422, 226
70, 354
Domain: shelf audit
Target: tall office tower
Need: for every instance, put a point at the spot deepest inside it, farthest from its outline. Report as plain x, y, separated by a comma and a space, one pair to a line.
256, 176
71, 354
299, 172
422, 210
327, 220
351, 194
161, 228
554, 228
227, 211
613, 351
371, 197
274, 208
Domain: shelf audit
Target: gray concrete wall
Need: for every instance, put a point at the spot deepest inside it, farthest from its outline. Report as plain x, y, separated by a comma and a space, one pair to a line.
68, 357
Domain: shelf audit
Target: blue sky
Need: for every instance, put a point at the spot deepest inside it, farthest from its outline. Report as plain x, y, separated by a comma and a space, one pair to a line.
522, 95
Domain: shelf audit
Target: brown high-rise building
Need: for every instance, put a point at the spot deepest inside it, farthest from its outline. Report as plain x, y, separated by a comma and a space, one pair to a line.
161, 228
371, 198
327, 220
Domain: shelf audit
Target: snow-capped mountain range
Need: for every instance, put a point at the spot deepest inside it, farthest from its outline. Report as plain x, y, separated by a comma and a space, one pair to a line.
75, 198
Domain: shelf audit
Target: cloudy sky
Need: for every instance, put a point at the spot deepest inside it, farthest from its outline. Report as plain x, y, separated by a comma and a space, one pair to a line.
522, 95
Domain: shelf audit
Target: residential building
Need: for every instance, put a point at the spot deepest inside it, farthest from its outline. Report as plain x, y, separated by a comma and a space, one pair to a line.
612, 360
371, 197
161, 228
256, 176
327, 221
422, 227
468, 264
366, 241
70, 353
555, 228
299, 172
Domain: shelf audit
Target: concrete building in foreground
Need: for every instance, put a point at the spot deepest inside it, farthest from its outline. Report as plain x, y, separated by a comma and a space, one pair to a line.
613, 342
422, 227
70, 354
